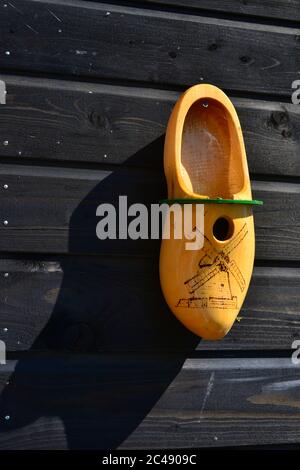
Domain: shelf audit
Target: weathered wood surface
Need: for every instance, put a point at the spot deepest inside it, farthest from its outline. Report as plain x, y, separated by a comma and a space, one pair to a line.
109, 304
59, 307
277, 9
93, 123
117, 42
53, 210
157, 402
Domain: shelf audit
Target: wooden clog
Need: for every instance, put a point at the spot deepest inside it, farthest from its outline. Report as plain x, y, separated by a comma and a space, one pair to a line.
205, 161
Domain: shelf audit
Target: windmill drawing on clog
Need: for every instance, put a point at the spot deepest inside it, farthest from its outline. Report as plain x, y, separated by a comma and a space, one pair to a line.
215, 267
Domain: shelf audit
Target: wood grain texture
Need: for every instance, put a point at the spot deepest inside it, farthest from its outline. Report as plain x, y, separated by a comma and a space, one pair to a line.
53, 210
276, 236
117, 42
236, 402
277, 9
93, 123
163, 401
108, 304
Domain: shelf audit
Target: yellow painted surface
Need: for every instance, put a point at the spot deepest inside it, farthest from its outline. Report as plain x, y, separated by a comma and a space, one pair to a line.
205, 157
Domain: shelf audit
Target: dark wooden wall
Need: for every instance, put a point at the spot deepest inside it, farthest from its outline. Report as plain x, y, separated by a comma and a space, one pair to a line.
96, 360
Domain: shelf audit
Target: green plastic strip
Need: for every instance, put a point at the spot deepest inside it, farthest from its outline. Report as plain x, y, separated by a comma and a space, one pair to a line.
218, 200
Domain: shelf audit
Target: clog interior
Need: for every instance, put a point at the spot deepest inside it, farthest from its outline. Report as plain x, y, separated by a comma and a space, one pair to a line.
211, 160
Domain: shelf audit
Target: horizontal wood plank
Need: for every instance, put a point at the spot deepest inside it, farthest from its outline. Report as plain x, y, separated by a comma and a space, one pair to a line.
89, 123
147, 402
277, 9
109, 304
53, 210
105, 41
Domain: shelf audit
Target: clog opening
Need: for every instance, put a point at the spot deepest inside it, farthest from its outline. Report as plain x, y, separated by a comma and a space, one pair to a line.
223, 228
211, 155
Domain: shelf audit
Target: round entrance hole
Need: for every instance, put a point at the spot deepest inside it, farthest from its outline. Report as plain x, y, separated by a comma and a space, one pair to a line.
223, 229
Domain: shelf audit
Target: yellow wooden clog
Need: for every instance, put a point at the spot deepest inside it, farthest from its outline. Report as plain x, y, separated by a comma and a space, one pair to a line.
205, 162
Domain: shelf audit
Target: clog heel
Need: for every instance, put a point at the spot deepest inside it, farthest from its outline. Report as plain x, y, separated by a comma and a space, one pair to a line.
205, 163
